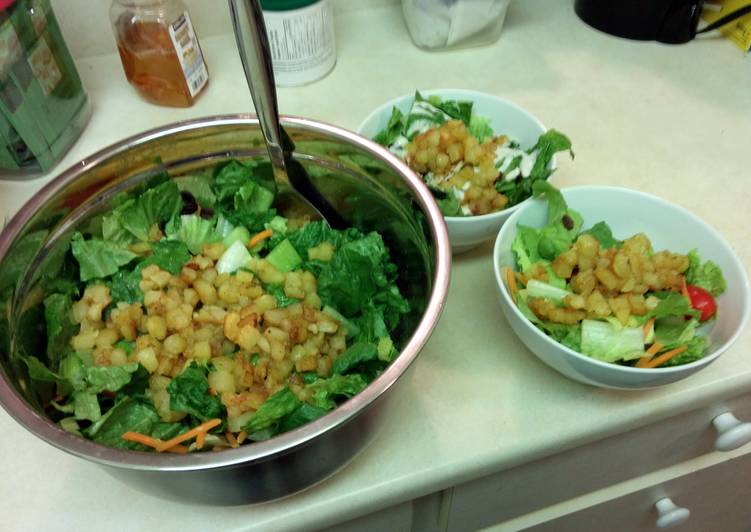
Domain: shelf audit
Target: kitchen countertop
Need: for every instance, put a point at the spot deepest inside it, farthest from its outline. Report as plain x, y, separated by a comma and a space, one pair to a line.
669, 120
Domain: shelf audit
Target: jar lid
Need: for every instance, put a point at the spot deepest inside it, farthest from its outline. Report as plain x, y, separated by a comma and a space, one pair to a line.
285, 5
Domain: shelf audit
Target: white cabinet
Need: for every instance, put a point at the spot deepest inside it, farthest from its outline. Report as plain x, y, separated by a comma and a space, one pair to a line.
532, 487
716, 498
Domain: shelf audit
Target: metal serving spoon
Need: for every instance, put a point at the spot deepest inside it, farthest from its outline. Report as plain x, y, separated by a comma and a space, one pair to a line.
253, 45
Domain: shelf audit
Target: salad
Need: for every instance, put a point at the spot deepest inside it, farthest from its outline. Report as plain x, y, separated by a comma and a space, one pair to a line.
469, 169
617, 301
193, 316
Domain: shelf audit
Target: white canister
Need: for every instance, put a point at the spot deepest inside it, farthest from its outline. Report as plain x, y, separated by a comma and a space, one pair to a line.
301, 39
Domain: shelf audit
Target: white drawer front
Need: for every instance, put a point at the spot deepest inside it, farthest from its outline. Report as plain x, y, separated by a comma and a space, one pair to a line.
525, 489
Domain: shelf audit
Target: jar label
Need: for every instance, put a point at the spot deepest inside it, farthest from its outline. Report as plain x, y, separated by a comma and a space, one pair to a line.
44, 66
189, 53
302, 43
10, 48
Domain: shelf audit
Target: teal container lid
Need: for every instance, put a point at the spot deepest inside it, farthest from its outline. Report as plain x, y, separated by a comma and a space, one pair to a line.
286, 5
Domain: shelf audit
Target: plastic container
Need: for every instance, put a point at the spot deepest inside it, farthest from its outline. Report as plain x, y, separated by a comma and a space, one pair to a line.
301, 38
43, 105
159, 49
442, 24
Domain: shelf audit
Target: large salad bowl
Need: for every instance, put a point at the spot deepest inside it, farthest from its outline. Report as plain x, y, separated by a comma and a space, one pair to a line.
373, 189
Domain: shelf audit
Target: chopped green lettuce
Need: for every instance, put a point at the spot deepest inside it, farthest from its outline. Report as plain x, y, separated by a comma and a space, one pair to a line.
276, 407
60, 325
479, 127
189, 392
305, 413
393, 130
355, 354
97, 258
155, 206
604, 341
604, 235
193, 231
235, 257
706, 275
548, 144
326, 392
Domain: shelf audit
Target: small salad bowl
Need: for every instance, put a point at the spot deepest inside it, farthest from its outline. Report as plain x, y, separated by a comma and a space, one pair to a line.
668, 227
504, 118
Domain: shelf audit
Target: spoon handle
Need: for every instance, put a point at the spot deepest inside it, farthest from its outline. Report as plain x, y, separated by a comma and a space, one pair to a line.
253, 45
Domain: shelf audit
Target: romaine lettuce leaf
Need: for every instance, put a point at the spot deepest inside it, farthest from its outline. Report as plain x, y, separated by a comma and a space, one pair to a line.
697, 348
198, 185
98, 258
305, 413
193, 230
355, 354
127, 415
277, 406
326, 392
360, 271
563, 223
449, 205
548, 144
110, 378
706, 275
672, 304
479, 127
60, 325
604, 235
673, 331
189, 392
155, 206
393, 130
457, 109
602, 340
525, 246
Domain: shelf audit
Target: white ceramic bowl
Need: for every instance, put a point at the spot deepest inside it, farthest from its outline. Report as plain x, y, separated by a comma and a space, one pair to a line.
668, 227
466, 232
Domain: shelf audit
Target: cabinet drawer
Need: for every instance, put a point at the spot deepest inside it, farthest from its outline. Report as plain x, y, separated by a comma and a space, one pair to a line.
717, 498
530, 487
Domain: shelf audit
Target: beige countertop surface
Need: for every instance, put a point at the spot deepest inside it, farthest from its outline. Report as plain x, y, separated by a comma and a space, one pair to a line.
674, 121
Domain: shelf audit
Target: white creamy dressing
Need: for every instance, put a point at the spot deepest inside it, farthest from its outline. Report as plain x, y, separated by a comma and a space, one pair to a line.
421, 125
505, 155
399, 147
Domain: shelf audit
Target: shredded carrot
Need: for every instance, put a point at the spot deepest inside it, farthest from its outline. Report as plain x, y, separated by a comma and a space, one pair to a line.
200, 439
192, 433
684, 288
651, 352
231, 439
178, 449
667, 355
211, 391
241, 437
260, 237
511, 280
648, 326
137, 437
148, 441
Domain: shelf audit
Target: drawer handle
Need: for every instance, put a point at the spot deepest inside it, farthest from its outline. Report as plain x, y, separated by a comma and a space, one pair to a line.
731, 432
669, 515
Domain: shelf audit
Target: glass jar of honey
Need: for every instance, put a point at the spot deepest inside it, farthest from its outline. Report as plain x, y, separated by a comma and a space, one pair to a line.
159, 49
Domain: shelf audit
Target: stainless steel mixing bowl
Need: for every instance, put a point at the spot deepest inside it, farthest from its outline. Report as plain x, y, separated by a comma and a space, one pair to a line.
367, 184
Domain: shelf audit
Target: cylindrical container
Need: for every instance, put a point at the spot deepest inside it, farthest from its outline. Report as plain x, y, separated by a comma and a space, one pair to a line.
444, 24
43, 106
159, 49
301, 39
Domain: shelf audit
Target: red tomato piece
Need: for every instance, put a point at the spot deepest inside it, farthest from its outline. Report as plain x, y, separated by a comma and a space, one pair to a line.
702, 301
